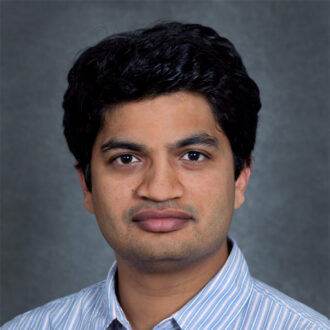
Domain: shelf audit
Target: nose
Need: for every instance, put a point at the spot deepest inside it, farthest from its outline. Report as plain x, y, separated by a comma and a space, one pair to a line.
160, 182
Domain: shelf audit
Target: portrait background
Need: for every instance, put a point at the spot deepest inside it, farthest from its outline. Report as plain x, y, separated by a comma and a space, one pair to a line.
51, 247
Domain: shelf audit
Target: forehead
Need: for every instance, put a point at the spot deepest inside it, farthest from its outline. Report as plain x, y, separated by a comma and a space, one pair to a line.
166, 115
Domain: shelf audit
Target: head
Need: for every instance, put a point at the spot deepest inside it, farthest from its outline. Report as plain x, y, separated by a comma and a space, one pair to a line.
129, 79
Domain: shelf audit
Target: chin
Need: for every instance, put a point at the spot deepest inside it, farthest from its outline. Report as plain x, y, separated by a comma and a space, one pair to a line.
168, 258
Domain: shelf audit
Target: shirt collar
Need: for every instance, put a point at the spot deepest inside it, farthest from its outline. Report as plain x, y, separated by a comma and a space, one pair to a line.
220, 301
115, 310
216, 306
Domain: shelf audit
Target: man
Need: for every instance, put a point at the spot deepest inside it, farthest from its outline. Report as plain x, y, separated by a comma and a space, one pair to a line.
162, 124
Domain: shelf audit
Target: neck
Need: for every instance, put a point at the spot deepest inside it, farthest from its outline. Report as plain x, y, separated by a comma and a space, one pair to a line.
147, 298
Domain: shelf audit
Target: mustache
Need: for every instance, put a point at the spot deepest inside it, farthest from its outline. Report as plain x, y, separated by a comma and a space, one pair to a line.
129, 214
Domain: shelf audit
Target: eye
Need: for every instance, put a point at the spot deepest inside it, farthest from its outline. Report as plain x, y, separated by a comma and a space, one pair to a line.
125, 159
194, 156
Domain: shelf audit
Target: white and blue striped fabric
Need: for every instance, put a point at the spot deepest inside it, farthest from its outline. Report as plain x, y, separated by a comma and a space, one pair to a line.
231, 300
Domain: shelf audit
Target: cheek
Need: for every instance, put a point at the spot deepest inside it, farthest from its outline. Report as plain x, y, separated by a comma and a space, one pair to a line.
213, 187
108, 197
112, 194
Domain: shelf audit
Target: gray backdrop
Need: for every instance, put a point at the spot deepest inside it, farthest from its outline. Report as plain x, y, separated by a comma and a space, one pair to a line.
51, 247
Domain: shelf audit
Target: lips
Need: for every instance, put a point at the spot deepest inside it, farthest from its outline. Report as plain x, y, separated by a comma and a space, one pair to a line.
161, 221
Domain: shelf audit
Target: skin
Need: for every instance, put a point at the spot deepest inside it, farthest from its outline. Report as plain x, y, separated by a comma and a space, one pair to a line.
159, 272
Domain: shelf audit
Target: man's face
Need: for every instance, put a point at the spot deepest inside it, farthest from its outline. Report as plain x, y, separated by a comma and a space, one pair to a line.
163, 188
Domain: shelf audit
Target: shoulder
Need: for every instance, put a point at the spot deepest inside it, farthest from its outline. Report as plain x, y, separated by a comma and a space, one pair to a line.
61, 313
272, 307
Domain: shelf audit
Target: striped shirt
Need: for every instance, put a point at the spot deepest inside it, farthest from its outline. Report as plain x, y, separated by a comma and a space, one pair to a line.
231, 300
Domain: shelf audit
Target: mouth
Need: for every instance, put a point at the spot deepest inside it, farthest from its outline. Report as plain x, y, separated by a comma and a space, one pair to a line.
161, 221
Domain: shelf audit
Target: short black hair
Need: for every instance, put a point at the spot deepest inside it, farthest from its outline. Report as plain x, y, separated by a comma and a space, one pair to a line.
162, 59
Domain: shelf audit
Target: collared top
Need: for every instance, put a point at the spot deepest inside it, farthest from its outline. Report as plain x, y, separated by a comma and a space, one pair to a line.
231, 300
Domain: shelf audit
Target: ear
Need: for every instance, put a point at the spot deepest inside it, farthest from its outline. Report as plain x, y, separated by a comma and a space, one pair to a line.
241, 185
88, 202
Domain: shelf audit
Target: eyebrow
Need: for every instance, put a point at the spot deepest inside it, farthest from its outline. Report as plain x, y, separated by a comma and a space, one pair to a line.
195, 139
122, 144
